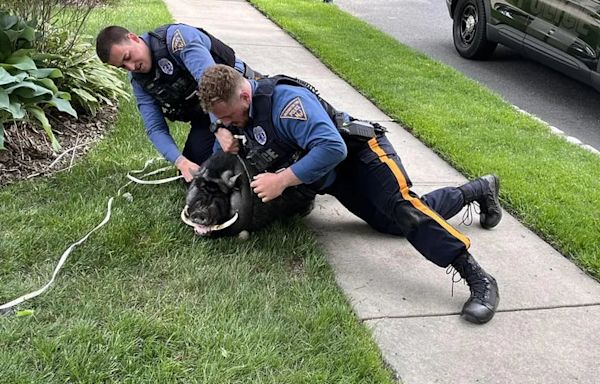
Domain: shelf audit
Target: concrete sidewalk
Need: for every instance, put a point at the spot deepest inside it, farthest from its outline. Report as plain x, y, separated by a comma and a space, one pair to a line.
547, 329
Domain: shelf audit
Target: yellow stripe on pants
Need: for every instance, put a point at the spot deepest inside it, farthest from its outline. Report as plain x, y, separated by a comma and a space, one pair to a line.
417, 203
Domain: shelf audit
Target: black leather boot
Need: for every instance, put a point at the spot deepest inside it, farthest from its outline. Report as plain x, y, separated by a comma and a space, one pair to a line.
481, 306
484, 191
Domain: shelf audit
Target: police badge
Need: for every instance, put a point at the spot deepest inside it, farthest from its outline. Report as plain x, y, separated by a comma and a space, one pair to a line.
166, 66
260, 135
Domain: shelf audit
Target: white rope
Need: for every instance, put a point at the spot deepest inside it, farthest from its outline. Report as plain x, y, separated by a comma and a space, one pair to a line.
205, 229
62, 260
66, 254
160, 181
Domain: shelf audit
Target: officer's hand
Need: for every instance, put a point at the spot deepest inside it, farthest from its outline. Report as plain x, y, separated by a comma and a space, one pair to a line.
269, 186
186, 167
226, 140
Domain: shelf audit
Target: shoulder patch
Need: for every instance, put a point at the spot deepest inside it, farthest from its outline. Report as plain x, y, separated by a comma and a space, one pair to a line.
177, 42
294, 110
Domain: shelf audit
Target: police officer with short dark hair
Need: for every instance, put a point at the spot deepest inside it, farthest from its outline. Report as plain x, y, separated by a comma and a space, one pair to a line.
297, 138
165, 66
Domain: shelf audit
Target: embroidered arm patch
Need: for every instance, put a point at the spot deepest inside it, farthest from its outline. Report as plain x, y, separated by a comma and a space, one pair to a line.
294, 110
178, 42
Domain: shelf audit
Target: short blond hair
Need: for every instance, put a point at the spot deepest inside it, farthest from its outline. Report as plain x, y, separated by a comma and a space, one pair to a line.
218, 83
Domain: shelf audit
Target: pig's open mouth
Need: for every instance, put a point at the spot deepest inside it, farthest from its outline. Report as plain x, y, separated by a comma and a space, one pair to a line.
205, 230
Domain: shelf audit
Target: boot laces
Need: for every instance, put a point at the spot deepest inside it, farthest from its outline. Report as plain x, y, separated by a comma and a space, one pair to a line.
451, 270
473, 209
478, 282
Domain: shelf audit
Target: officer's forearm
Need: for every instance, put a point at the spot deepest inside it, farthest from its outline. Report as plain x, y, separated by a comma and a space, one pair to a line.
288, 178
269, 186
318, 162
226, 140
158, 131
186, 167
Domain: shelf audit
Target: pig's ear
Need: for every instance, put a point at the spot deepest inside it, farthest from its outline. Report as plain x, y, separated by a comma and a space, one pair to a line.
223, 182
202, 172
190, 198
229, 178
198, 172
233, 180
199, 175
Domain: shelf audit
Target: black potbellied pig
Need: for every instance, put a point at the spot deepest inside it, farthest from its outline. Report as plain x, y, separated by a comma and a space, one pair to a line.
220, 201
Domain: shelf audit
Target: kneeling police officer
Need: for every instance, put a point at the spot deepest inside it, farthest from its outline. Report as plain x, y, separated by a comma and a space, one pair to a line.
297, 138
164, 67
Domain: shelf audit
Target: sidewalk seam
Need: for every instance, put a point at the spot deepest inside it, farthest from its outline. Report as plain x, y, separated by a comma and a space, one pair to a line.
372, 318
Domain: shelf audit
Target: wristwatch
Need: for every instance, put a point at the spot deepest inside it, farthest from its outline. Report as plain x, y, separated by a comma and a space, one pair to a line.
215, 126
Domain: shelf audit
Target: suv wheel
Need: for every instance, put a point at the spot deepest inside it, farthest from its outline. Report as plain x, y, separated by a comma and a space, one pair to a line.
469, 30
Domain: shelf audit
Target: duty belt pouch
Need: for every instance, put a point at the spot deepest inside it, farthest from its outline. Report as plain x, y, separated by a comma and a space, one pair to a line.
251, 74
355, 133
185, 113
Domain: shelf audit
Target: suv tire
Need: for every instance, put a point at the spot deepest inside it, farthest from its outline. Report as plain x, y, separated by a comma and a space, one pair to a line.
469, 30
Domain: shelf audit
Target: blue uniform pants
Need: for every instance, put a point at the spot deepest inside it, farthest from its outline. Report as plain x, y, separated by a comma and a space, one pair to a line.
199, 144
373, 185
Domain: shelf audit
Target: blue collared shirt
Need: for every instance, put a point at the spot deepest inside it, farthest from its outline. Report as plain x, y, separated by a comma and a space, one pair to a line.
193, 55
312, 131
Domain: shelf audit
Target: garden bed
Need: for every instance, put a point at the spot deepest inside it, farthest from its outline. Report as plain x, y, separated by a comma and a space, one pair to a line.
28, 152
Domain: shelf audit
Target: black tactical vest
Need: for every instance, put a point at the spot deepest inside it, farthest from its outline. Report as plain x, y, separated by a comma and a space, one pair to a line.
265, 149
171, 84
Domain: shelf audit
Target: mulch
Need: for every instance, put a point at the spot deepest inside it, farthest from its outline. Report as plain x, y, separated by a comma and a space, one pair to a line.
28, 152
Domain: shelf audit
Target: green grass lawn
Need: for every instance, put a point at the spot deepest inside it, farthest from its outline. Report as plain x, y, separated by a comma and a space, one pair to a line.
550, 185
145, 301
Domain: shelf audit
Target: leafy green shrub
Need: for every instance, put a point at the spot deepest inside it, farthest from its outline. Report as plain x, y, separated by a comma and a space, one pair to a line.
90, 82
47, 15
26, 91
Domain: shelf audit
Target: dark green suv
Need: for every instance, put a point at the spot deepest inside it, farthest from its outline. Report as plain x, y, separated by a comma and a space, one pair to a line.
563, 34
